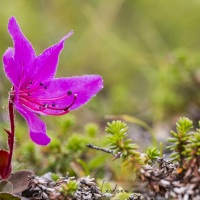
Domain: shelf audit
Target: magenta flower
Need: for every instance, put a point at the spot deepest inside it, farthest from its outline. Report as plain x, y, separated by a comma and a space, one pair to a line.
36, 91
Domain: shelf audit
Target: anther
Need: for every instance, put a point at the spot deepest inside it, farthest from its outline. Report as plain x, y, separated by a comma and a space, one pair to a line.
53, 104
41, 84
45, 87
67, 108
69, 92
45, 105
30, 82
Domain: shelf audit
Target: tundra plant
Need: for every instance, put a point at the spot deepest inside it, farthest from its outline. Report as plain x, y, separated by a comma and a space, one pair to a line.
35, 90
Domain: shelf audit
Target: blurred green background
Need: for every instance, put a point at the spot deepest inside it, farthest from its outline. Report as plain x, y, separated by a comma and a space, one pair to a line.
148, 52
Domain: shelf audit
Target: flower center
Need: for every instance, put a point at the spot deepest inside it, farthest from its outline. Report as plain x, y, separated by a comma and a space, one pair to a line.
46, 105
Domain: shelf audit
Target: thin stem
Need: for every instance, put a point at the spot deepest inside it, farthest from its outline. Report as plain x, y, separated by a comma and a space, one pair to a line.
11, 134
116, 155
11, 115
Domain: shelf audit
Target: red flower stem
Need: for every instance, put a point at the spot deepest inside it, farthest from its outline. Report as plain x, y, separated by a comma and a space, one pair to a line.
11, 136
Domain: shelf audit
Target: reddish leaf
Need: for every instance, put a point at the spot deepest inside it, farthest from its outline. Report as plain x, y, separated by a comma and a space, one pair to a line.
20, 181
4, 157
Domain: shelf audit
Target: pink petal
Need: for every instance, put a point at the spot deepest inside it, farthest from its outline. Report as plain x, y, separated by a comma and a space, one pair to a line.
47, 62
11, 69
36, 126
24, 54
85, 87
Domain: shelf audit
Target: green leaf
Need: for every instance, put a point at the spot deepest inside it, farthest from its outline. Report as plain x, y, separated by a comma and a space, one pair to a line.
121, 194
97, 162
84, 165
184, 124
54, 176
7, 196
172, 139
134, 120
6, 186
173, 133
135, 153
91, 129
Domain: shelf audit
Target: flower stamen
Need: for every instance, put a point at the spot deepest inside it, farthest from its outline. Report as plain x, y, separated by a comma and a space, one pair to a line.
45, 107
